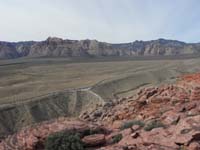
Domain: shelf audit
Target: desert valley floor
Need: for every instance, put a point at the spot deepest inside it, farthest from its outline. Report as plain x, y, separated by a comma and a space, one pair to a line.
22, 79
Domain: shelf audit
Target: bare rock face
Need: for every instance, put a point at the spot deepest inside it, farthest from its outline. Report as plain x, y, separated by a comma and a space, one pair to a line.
57, 47
171, 117
195, 93
187, 131
7, 50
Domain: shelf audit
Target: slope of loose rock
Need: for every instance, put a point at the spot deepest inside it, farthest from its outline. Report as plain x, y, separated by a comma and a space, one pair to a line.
176, 108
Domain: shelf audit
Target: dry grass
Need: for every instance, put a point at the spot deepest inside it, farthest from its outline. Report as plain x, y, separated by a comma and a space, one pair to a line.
25, 78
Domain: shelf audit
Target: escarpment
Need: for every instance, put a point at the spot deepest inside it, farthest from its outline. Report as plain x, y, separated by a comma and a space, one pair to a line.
57, 47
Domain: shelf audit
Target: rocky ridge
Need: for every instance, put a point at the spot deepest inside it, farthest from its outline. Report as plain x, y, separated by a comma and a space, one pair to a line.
57, 47
166, 117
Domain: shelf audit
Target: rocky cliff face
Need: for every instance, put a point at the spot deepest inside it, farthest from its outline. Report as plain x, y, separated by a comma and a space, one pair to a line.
56, 47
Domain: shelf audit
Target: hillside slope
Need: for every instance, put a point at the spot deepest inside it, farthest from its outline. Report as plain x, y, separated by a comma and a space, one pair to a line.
68, 103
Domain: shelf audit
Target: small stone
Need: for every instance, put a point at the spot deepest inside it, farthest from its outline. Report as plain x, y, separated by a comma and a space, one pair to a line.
194, 146
117, 124
126, 132
135, 127
135, 135
97, 113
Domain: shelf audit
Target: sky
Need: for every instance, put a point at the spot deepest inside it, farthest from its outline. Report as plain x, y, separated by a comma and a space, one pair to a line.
114, 21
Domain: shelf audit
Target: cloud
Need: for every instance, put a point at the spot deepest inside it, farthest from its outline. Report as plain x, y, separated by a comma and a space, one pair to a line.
105, 20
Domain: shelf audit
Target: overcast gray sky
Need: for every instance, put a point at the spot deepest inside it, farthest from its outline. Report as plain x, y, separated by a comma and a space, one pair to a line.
105, 20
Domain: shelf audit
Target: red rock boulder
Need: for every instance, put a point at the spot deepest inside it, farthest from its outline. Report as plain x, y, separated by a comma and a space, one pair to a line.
94, 140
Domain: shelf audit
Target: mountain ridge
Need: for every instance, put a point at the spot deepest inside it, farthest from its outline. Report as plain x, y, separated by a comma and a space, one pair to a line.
58, 47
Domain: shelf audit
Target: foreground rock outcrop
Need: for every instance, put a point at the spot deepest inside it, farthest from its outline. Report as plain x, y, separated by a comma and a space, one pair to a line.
169, 116
166, 117
32, 138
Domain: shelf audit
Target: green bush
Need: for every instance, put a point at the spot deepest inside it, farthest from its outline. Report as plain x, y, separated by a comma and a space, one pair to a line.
117, 138
64, 141
92, 131
153, 124
131, 123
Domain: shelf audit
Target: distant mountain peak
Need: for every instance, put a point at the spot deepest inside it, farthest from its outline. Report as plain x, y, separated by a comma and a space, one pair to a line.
57, 47
54, 39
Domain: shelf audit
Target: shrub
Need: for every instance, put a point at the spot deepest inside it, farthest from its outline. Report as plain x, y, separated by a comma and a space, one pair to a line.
185, 131
131, 123
117, 138
64, 141
153, 124
92, 131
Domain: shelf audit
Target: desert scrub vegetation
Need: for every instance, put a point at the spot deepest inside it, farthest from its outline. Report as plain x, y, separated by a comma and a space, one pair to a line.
116, 138
64, 141
129, 124
153, 124
92, 131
